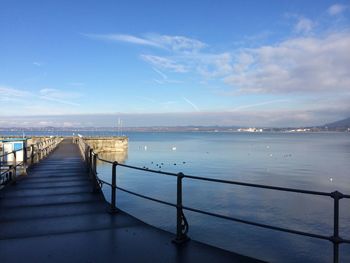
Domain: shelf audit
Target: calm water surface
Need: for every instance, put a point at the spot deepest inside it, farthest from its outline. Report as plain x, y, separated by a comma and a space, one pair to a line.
308, 161
315, 161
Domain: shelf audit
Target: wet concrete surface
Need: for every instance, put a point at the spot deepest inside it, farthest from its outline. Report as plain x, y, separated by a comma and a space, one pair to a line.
51, 215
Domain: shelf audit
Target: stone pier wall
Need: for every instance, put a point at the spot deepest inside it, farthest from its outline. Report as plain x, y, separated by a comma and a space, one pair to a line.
107, 144
109, 148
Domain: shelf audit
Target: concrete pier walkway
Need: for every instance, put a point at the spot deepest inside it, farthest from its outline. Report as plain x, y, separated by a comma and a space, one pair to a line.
51, 215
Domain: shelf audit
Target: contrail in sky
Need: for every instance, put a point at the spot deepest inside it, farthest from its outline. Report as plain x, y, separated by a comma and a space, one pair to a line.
192, 104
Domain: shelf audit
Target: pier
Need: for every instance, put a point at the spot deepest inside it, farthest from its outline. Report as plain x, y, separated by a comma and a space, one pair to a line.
56, 213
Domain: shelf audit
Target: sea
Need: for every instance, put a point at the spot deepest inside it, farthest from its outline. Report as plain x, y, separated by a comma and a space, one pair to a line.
310, 161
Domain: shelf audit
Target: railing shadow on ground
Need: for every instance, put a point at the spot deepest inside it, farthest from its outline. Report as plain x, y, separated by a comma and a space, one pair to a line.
32, 154
182, 225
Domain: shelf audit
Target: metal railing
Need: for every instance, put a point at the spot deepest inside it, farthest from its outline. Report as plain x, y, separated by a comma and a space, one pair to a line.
182, 225
31, 155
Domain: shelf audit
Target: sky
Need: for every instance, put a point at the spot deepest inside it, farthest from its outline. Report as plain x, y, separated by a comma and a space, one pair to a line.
166, 63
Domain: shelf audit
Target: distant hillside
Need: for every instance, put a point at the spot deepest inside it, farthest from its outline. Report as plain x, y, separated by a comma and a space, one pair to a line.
339, 124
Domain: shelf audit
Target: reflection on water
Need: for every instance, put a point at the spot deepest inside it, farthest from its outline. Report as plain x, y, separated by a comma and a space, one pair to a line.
120, 157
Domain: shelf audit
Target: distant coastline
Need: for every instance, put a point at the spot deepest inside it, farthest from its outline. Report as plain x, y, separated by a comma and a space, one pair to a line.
178, 129
337, 126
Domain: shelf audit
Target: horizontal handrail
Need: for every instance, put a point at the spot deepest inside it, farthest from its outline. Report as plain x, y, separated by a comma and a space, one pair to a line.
248, 222
182, 226
104, 182
287, 230
277, 188
27, 147
8, 153
146, 197
9, 174
285, 189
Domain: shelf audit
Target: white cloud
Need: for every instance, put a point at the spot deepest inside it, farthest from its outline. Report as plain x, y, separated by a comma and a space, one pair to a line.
11, 92
255, 105
123, 38
164, 63
178, 43
46, 93
59, 96
38, 64
336, 9
304, 25
164, 78
59, 101
205, 64
297, 65
174, 43
35, 102
9, 96
186, 54
212, 65
305, 64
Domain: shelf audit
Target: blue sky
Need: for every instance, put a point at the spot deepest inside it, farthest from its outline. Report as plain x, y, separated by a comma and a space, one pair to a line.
249, 63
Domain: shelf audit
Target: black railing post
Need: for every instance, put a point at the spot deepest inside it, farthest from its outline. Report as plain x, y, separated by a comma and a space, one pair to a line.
32, 154
87, 150
113, 208
94, 160
14, 173
9, 175
90, 160
25, 154
181, 222
95, 185
336, 239
40, 151
85, 157
37, 152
